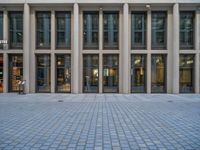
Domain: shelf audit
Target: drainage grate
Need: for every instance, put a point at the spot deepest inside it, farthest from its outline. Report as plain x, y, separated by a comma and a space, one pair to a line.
60, 100
170, 101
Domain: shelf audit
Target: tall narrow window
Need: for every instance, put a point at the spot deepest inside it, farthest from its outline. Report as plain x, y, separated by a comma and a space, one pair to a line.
15, 71
1, 28
110, 30
138, 73
90, 73
43, 73
91, 30
63, 76
187, 30
16, 30
63, 30
138, 30
43, 29
110, 73
159, 30
186, 74
1, 73
158, 73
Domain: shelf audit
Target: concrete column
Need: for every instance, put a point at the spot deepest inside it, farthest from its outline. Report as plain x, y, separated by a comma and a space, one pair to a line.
148, 51
100, 49
175, 38
5, 28
5, 56
26, 46
125, 51
5, 73
75, 53
197, 48
53, 30
52, 73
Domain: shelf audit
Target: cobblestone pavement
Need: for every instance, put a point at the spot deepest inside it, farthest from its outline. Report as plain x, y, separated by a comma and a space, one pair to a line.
100, 121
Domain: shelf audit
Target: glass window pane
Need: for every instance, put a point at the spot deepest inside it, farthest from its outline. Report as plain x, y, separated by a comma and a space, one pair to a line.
15, 72
1, 73
43, 30
187, 30
138, 30
111, 30
43, 71
91, 30
158, 73
159, 28
186, 73
90, 73
138, 73
63, 76
16, 30
63, 30
110, 73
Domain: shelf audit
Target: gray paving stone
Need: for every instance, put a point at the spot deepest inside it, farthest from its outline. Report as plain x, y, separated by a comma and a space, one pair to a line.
100, 121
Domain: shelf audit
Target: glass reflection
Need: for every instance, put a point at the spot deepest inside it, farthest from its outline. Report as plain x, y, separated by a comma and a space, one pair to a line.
91, 30
63, 80
110, 73
1, 73
186, 74
158, 73
111, 27
43, 73
90, 73
15, 72
138, 73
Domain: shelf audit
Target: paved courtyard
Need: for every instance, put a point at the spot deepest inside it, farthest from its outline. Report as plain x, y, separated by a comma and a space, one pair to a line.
100, 121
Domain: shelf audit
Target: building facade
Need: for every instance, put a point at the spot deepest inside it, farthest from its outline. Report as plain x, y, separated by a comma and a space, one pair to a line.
100, 46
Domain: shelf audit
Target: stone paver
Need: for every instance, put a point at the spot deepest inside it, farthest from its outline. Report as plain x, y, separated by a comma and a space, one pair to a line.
100, 121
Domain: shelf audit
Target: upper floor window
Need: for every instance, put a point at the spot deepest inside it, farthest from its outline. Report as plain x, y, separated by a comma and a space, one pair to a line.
43, 30
91, 30
63, 30
111, 30
186, 30
138, 30
159, 27
1, 28
16, 29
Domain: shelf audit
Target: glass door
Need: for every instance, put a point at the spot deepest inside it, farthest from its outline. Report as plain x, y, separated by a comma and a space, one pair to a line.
15, 71
110, 73
90, 73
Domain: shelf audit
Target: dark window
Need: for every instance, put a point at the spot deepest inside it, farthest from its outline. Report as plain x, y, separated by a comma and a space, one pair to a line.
63, 76
186, 74
15, 72
16, 30
110, 30
159, 30
91, 30
1, 73
63, 30
90, 73
138, 30
186, 30
110, 73
43, 73
138, 73
43, 29
158, 73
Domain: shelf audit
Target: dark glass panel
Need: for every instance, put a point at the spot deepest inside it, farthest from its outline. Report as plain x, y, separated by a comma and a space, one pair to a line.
138, 73
63, 76
90, 73
158, 73
110, 73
